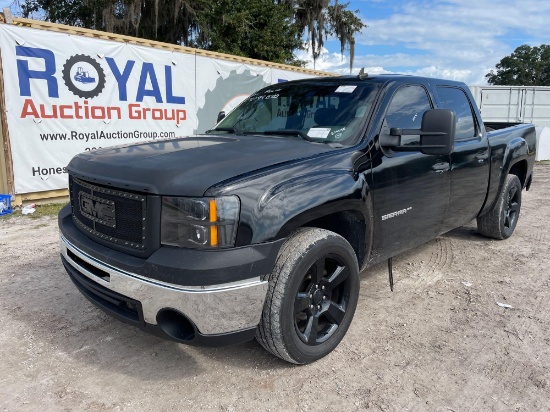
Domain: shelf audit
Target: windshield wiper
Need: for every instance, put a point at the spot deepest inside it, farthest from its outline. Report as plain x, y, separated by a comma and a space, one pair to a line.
233, 130
292, 132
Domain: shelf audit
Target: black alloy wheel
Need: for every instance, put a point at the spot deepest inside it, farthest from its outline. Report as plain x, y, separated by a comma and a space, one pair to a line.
500, 221
322, 300
511, 211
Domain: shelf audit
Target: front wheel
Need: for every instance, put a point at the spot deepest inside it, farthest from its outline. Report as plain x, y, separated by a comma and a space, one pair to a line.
312, 296
501, 220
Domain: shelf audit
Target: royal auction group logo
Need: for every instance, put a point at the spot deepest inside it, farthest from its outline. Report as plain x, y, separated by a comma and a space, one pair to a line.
83, 76
144, 89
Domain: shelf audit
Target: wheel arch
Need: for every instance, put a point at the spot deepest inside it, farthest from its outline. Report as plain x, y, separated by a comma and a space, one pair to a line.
519, 168
334, 201
514, 161
351, 224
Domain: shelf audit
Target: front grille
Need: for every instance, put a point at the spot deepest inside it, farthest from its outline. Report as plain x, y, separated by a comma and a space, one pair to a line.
109, 214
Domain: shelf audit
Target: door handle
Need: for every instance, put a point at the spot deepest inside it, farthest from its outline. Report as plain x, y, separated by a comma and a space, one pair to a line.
441, 167
481, 157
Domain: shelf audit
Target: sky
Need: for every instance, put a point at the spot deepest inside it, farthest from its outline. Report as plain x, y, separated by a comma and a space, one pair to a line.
458, 40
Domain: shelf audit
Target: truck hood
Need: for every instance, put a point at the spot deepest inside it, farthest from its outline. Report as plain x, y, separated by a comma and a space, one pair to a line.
187, 166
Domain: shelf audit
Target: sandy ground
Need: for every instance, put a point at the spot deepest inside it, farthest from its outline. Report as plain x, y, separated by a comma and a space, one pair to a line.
440, 342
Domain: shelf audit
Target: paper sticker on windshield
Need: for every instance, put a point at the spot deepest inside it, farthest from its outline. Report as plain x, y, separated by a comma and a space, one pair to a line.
345, 89
319, 132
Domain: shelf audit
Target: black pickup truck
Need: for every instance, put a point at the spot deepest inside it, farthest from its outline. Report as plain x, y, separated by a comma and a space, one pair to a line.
260, 227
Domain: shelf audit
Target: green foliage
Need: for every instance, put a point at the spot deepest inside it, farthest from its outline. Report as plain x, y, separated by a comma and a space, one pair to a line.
170, 21
74, 13
344, 24
310, 16
526, 66
319, 19
48, 209
261, 29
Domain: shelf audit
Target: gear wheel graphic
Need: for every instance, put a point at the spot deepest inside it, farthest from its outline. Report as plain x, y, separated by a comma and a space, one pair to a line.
70, 82
225, 90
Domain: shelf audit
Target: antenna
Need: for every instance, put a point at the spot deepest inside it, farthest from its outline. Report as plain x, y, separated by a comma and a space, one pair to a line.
362, 75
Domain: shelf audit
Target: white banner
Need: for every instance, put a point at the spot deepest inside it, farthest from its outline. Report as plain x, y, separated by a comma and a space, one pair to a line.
67, 94
280, 76
222, 85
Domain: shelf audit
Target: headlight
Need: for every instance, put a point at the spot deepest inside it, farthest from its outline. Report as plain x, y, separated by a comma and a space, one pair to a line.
199, 222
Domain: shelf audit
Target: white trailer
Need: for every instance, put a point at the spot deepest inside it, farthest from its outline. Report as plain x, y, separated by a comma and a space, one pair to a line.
513, 104
505, 105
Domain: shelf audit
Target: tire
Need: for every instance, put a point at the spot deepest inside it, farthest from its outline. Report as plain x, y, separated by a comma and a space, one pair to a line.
312, 296
500, 222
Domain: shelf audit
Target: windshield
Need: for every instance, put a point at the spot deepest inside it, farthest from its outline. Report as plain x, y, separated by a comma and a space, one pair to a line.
319, 111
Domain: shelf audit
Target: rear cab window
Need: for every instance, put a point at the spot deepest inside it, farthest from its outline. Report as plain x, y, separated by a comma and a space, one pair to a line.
455, 99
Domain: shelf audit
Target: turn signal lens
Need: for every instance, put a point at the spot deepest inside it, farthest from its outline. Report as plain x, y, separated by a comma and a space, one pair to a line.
213, 228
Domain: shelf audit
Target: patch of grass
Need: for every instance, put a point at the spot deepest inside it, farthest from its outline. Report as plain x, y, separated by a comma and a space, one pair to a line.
49, 209
543, 162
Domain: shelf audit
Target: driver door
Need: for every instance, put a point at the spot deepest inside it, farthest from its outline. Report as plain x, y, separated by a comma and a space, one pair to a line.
411, 189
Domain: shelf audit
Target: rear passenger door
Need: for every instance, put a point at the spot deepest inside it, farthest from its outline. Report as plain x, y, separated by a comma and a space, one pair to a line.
469, 159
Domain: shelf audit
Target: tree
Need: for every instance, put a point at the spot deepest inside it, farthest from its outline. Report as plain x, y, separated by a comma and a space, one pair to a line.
170, 21
74, 13
261, 29
344, 24
526, 66
320, 19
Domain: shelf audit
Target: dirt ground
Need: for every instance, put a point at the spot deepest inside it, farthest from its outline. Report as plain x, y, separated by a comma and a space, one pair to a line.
440, 342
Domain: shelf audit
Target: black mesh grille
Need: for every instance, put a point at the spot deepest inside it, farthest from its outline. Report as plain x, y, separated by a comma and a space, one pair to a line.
108, 213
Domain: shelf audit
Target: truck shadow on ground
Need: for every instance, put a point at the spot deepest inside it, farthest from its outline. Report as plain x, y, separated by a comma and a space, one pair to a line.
56, 315
467, 232
421, 266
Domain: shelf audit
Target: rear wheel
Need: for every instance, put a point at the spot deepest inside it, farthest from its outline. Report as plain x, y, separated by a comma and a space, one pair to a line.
500, 222
312, 296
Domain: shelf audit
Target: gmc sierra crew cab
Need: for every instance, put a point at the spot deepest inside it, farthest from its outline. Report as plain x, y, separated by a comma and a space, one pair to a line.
260, 227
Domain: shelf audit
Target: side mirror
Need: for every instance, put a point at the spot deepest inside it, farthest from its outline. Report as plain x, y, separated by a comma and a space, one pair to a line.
221, 115
437, 134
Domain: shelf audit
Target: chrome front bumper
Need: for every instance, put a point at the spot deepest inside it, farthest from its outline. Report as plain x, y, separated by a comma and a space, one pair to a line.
215, 309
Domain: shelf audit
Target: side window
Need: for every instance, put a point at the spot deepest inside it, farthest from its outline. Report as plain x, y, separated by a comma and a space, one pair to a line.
456, 100
406, 109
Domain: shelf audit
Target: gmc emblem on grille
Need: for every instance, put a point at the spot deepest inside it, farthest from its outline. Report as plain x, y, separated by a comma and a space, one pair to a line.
97, 209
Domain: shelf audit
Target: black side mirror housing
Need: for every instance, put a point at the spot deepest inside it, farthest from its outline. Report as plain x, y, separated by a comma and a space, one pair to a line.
221, 115
437, 134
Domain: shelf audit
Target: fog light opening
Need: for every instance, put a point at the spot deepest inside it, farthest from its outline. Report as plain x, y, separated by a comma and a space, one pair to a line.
175, 325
